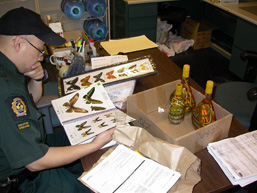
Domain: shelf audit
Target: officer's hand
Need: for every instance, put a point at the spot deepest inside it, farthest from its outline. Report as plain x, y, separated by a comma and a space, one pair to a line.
37, 72
104, 137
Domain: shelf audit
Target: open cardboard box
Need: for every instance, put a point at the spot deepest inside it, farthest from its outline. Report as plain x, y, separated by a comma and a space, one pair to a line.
200, 32
144, 108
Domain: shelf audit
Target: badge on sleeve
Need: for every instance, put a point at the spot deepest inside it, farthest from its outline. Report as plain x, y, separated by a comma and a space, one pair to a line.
18, 107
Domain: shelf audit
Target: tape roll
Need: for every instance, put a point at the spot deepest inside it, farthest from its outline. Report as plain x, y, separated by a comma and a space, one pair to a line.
63, 71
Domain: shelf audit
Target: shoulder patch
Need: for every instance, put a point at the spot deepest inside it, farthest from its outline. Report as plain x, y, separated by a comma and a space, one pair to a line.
18, 107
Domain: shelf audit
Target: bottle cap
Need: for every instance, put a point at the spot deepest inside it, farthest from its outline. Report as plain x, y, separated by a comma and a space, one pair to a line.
186, 69
91, 40
178, 89
209, 87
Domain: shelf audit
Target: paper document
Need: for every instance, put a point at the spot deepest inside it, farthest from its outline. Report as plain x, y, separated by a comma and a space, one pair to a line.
127, 45
85, 113
104, 61
125, 171
237, 157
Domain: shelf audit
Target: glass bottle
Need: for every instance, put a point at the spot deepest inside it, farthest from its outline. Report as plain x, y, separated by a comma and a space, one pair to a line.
187, 93
204, 113
177, 107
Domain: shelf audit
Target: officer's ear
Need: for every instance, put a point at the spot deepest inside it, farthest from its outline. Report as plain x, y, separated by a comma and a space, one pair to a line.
17, 43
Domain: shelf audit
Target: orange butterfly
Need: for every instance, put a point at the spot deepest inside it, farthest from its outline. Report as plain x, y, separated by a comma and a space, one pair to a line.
109, 75
85, 82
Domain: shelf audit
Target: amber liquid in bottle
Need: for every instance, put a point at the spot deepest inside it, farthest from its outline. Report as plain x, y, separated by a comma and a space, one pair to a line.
204, 113
177, 107
187, 94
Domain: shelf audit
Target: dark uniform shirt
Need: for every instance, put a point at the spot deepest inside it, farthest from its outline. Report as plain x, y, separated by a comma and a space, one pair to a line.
22, 138
21, 129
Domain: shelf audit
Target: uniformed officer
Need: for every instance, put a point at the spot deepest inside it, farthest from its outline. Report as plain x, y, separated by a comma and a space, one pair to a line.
29, 159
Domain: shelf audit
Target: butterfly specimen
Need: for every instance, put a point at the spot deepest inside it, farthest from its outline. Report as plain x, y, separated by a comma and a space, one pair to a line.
89, 99
85, 81
71, 107
82, 126
121, 70
133, 68
86, 133
102, 125
97, 119
108, 115
144, 66
110, 75
98, 77
94, 108
121, 75
72, 84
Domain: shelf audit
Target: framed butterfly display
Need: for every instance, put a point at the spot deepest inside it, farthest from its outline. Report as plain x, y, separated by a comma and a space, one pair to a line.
120, 72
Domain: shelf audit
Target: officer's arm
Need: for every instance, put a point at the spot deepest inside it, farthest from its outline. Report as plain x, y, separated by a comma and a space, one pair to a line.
60, 156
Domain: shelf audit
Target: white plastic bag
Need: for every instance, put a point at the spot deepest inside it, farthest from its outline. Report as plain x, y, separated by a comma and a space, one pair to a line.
163, 29
180, 44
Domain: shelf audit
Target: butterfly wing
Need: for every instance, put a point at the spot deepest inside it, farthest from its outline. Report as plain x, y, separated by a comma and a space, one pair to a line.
74, 99
79, 110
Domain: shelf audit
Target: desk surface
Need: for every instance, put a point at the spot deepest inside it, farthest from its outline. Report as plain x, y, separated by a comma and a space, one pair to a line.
247, 10
213, 178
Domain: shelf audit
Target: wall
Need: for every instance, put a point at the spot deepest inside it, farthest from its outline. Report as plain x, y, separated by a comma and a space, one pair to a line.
49, 7
8, 5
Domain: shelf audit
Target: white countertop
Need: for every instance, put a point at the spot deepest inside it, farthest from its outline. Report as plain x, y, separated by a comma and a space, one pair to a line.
247, 11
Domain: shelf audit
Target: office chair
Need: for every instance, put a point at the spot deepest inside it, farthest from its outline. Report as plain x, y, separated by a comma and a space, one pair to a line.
240, 98
50, 92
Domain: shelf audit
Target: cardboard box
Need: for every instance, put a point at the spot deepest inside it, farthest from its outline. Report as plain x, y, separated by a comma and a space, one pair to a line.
144, 108
200, 32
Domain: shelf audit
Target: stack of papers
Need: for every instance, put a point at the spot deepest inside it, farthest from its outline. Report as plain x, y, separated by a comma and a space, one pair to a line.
126, 171
237, 157
127, 45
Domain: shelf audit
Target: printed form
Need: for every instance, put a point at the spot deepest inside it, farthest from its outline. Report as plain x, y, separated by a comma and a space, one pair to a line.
126, 171
237, 157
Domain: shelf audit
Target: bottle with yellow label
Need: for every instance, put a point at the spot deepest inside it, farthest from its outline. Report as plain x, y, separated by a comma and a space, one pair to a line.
204, 113
177, 106
187, 94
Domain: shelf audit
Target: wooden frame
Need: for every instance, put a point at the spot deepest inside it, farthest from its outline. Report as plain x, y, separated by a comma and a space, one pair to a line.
120, 72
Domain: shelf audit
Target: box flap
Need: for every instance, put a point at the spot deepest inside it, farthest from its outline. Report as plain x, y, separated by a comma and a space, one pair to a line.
206, 26
189, 28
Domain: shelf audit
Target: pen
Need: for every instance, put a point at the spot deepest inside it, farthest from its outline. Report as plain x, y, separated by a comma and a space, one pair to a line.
82, 46
78, 46
72, 43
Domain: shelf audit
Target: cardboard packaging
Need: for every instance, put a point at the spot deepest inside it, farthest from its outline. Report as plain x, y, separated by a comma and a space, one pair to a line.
144, 108
174, 157
200, 32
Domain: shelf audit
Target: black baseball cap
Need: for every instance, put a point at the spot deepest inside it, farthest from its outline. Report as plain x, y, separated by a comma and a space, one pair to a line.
22, 21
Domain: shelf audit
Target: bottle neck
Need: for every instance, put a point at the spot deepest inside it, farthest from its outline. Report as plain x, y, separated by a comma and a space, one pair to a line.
185, 80
208, 96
